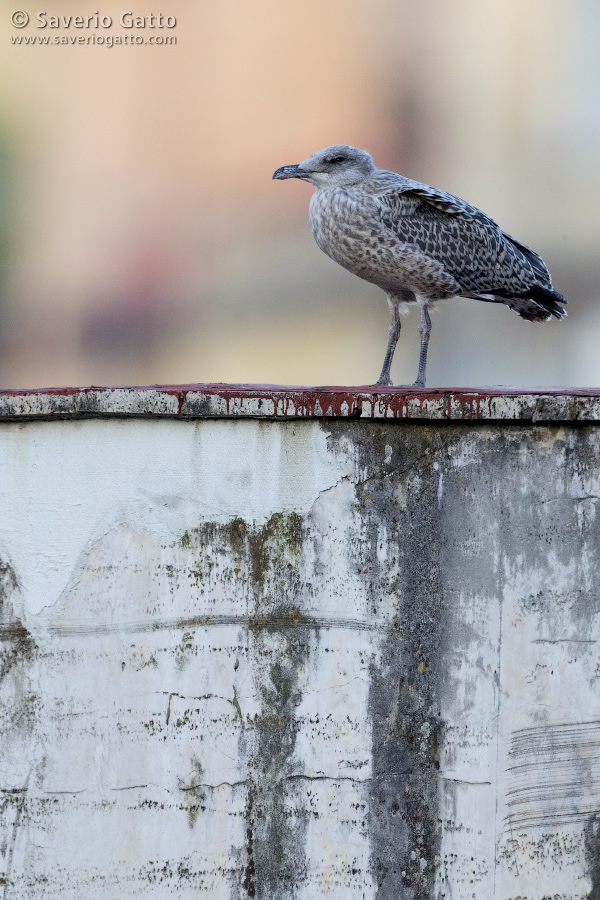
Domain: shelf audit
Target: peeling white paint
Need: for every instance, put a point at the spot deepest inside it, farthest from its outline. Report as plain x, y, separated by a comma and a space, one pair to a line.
67, 484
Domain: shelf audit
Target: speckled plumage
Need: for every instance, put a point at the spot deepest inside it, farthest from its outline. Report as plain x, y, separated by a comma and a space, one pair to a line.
417, 243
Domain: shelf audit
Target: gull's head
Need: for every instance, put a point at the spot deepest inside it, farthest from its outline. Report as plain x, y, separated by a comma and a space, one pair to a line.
338, 166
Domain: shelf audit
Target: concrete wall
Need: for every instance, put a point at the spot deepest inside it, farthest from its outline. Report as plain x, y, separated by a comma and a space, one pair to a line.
346, 657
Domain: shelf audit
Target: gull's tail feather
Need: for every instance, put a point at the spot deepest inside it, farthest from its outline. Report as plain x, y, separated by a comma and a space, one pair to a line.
537, 304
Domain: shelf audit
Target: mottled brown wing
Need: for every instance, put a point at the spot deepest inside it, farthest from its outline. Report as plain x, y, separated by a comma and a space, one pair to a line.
469, 244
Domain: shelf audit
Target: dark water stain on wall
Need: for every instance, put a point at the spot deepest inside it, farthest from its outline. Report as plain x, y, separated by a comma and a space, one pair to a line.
275, 825
16, 643
18, 709
404, 692
273, 862
280, 644
512, 498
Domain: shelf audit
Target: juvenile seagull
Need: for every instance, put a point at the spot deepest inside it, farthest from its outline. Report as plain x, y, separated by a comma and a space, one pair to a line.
417, 243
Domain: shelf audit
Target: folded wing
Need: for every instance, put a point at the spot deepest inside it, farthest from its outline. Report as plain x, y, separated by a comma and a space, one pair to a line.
487, 263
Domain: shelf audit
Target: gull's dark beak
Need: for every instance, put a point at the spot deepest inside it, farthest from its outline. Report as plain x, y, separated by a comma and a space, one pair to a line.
290, 172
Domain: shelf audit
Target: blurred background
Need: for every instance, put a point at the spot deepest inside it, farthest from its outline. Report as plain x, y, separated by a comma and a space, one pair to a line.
143, 241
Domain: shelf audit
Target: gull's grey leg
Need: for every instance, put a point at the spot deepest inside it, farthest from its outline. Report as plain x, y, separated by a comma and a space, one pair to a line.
424, 331
394, 334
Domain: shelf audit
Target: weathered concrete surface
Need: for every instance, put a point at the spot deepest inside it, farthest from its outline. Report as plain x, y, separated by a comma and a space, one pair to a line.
273, 659
207, 401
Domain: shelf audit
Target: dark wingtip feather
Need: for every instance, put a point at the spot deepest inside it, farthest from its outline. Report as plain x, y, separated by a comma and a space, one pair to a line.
544, 303
549, 299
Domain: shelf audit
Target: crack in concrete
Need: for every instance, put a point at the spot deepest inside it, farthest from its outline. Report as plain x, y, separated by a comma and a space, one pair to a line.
130, 787
80, 791
563, 641
236, 704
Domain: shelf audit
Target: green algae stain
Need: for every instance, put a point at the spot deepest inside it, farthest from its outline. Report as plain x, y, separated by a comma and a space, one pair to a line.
267, 546
279, 538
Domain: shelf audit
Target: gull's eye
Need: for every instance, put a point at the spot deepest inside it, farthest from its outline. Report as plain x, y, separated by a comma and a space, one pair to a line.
337, 159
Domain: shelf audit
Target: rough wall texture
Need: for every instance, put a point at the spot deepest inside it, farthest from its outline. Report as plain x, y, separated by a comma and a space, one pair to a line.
268, 659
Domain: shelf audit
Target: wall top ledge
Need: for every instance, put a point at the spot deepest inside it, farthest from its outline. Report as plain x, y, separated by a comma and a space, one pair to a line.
265, 401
